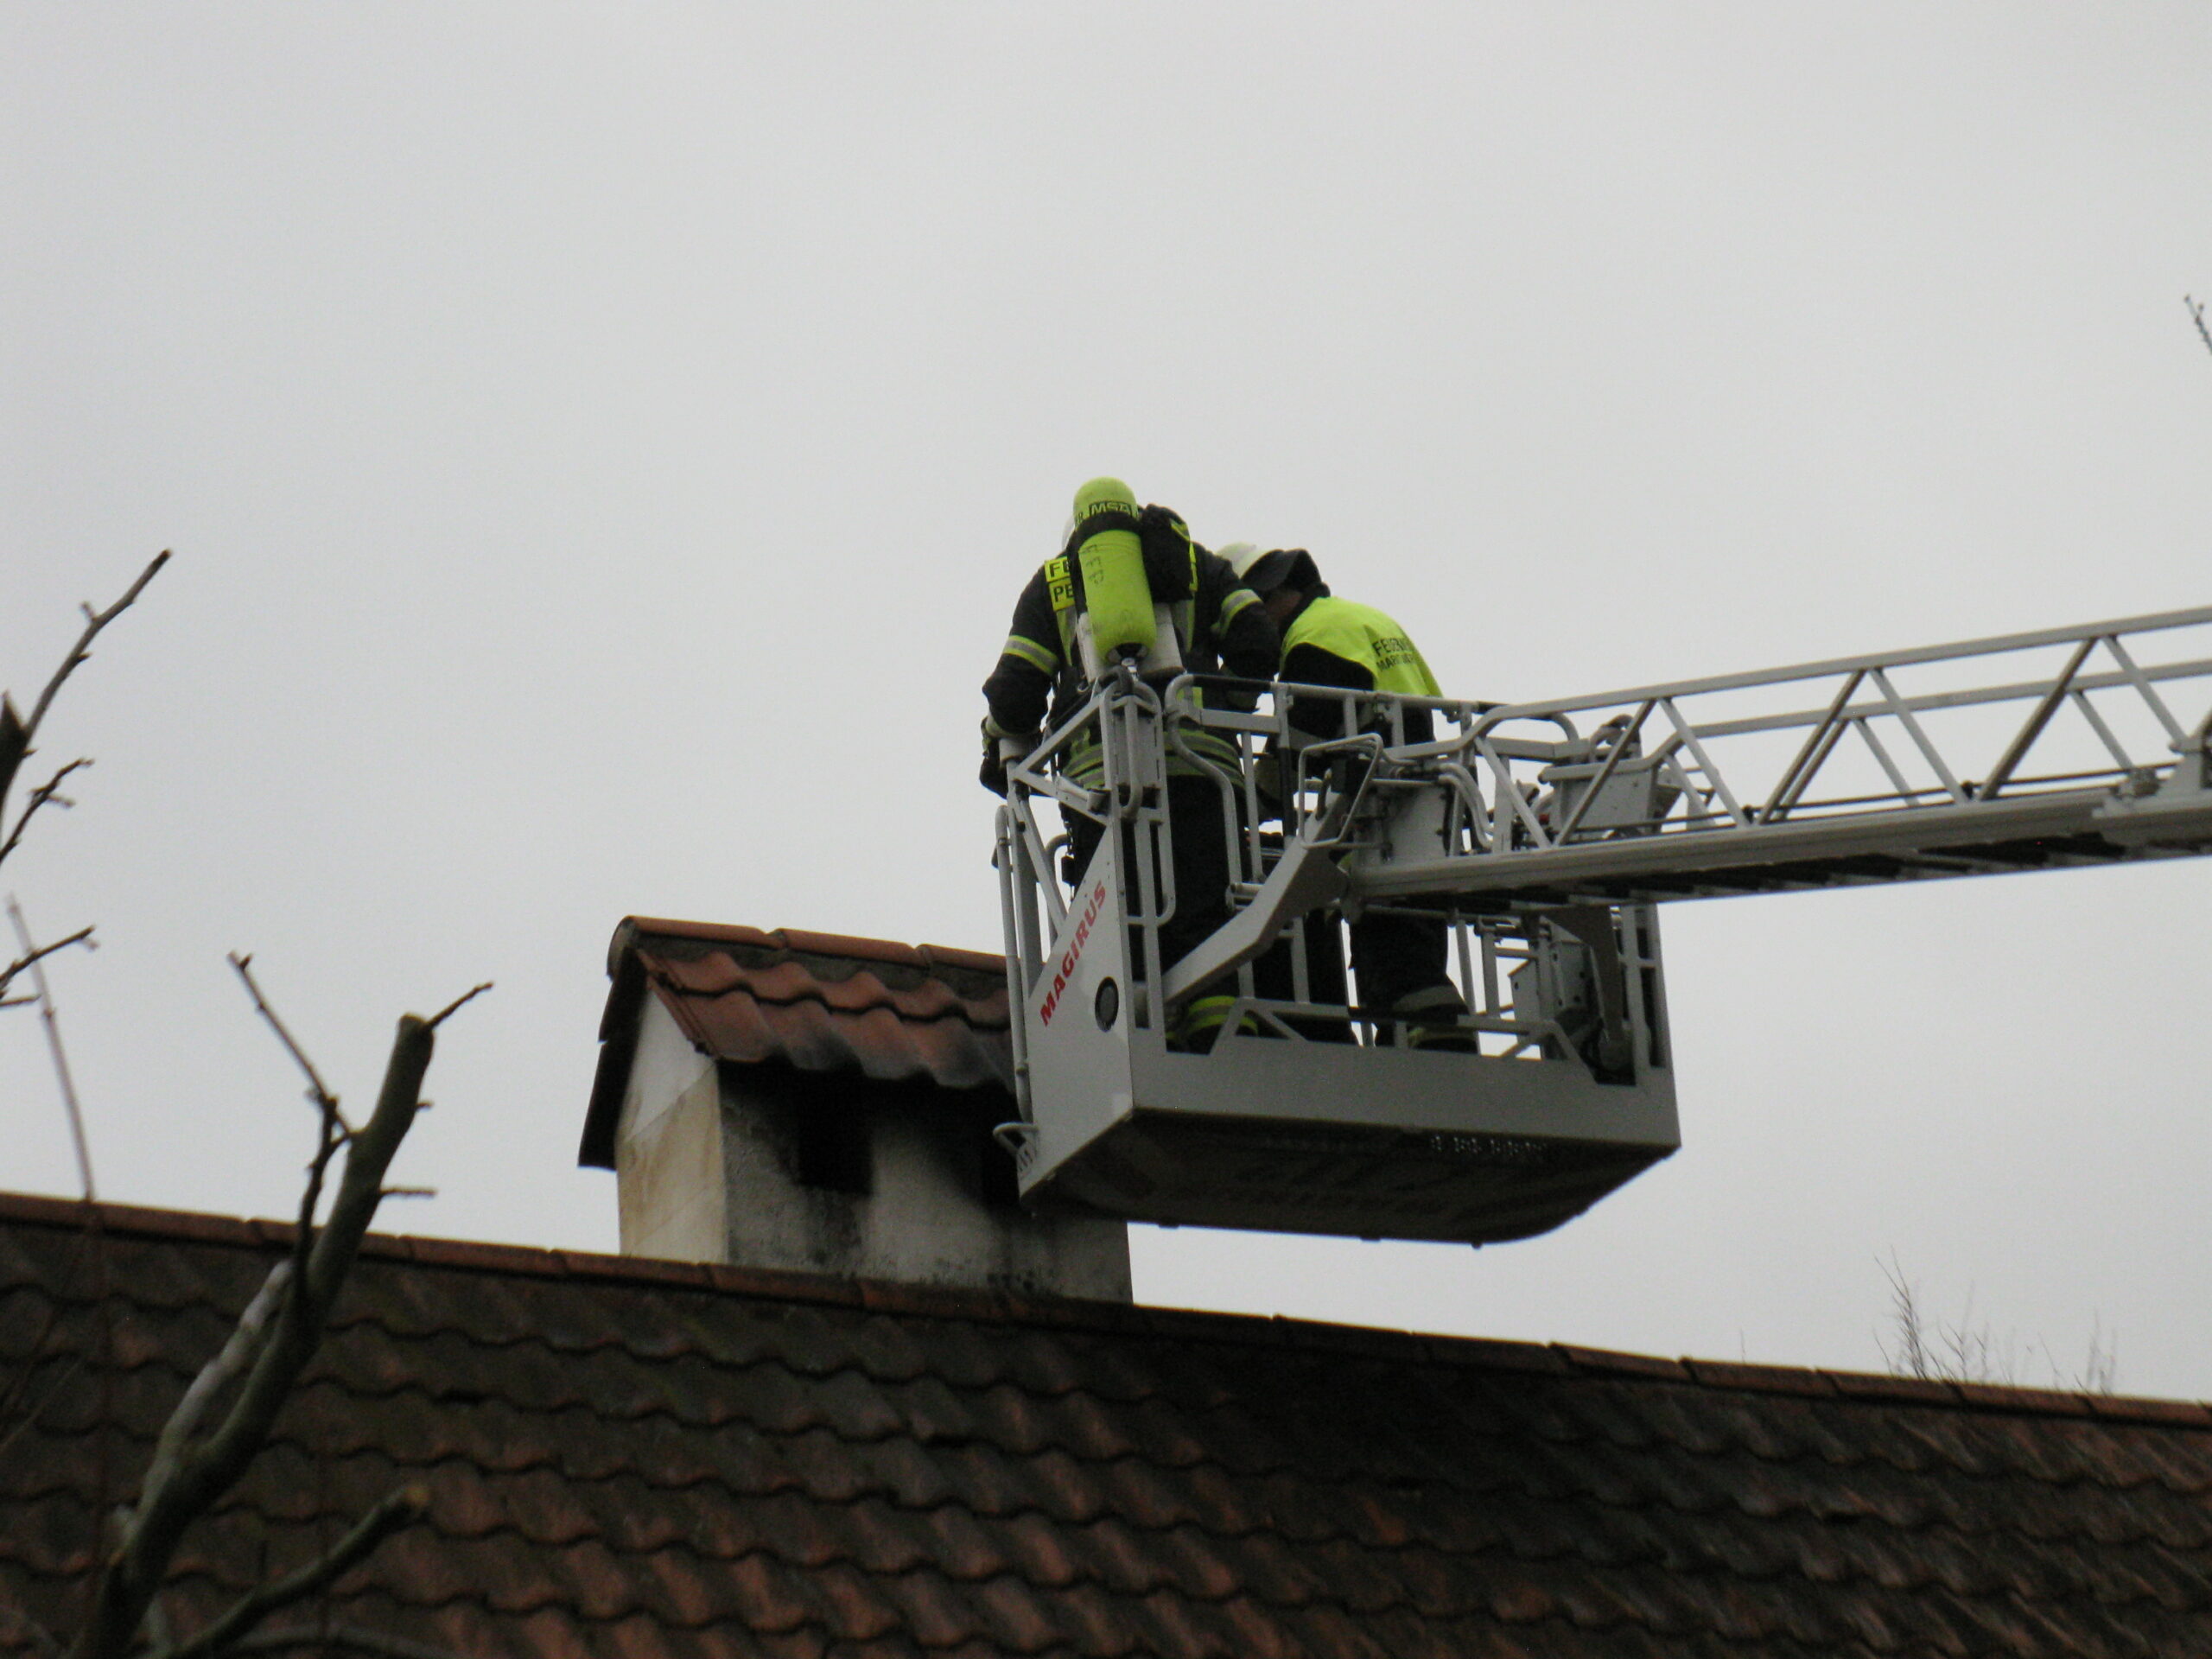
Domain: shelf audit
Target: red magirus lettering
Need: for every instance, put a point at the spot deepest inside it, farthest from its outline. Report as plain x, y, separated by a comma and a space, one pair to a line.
1076, 942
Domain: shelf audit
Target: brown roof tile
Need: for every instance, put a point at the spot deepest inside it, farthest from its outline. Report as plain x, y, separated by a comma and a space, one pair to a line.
625, 1462
819, 1003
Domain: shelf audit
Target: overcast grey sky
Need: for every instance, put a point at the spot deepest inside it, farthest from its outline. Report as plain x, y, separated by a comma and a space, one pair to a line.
602, 445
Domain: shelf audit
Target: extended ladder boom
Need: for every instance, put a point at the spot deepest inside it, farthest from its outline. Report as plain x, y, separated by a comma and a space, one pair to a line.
2067, 746
2071, 746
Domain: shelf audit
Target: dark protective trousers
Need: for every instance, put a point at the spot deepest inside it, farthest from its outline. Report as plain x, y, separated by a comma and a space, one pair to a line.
1200, 863
1396, 957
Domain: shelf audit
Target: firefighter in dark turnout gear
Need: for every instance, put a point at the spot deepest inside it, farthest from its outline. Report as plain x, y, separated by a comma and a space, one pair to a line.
1219, 627
1400, 960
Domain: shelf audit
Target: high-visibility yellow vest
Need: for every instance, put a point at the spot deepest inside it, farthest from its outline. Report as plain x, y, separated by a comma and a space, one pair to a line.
1360, 633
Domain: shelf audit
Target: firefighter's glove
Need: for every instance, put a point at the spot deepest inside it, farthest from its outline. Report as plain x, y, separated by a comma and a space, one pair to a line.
997, 751
993, 775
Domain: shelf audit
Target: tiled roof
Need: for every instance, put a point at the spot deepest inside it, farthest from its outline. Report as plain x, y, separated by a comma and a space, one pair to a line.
815, 1001
628, 1459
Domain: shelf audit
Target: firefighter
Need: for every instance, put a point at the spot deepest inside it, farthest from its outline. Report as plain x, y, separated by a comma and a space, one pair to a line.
1400, 960
1218, 626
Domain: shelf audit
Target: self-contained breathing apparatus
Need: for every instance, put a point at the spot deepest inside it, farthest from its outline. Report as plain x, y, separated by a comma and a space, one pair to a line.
1124, 581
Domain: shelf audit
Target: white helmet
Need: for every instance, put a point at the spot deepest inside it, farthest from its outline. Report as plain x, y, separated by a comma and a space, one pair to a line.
1264, 572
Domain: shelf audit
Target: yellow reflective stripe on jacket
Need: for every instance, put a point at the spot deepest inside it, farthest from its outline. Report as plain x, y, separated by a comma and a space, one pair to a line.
1233, 607
1039, 658
1360, 633
1086, 764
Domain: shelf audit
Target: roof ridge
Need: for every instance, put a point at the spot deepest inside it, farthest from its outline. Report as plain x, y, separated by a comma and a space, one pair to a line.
848, 945
999, 1307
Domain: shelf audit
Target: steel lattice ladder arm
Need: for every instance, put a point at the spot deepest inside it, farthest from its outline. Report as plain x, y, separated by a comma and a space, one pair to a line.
2067, 746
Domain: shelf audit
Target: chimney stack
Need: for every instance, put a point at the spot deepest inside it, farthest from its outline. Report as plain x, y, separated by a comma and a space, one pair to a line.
823, 1104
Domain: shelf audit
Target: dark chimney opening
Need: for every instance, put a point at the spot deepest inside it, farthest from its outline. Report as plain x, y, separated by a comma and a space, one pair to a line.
830, 1147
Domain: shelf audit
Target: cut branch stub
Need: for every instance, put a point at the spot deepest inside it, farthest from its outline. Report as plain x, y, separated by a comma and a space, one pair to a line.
15, 744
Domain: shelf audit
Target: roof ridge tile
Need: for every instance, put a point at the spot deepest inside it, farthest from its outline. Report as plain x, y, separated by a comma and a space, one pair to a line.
953, 956
538, 1262
2138, 1408
781, 1284
1879, 1385
709, 933
1761, 1379
1494, 1353
2049, 1402
649, 1269
1609, 1361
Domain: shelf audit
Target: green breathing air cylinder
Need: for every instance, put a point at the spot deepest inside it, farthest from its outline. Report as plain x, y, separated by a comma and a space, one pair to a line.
1116, 598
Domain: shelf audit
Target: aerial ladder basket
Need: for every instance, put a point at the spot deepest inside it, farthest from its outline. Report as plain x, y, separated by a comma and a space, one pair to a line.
1540, 838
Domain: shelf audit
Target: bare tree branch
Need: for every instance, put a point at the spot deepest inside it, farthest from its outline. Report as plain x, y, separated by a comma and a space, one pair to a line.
2196, 311
77, 653
238, 1352
47, 791
458, 1003
83, 936
397, 1509
321, 1258
54, 1047
318, 1091
15, 744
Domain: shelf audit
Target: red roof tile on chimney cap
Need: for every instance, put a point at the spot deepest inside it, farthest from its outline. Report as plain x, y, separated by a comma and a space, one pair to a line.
634, 928
822, 1002
951, 955
664, 927
843, 944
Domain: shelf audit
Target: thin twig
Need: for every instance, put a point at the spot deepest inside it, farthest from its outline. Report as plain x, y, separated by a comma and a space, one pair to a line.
457, 1004
83, 936
53, 1046
317, 1090
332, 1131
1911, 1358
47, 791
397, 1509
2196, 312
94, 621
